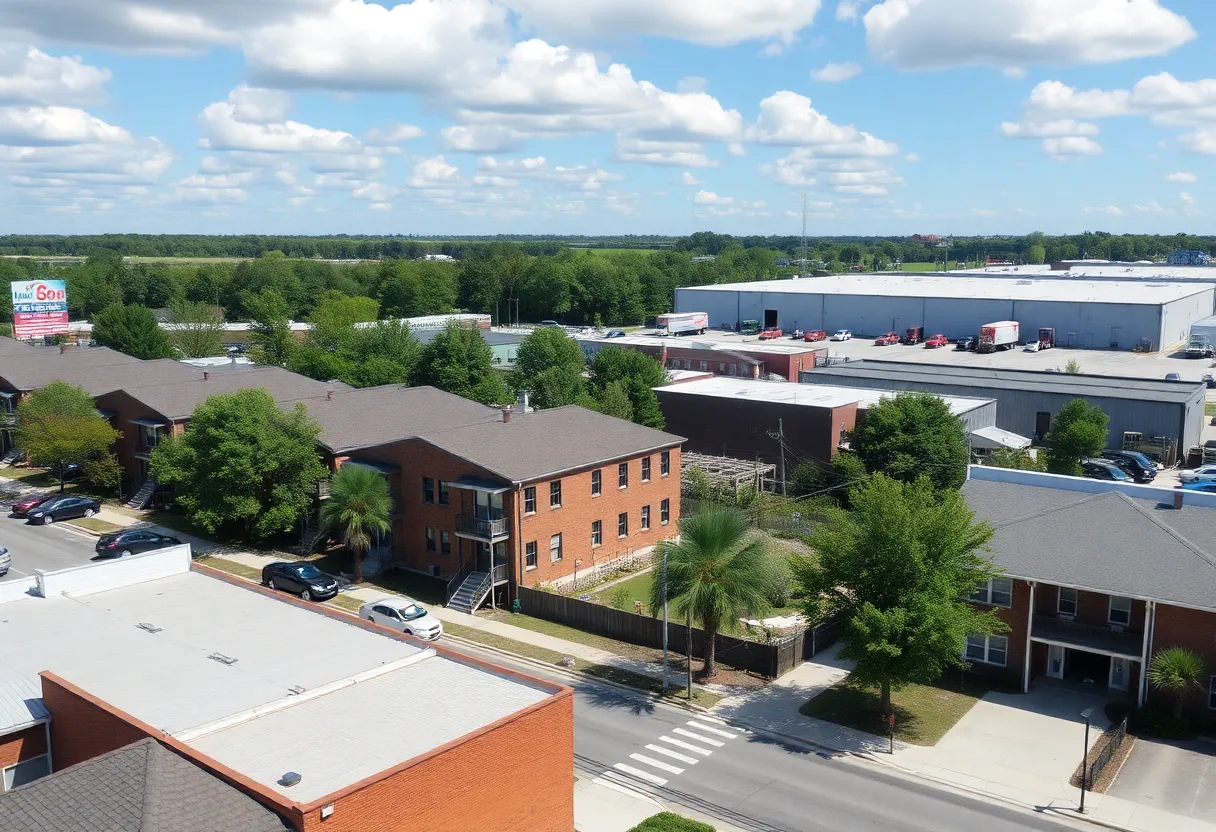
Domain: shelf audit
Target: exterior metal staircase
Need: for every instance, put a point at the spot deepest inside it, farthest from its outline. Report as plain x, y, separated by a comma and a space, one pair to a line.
142, 495
313, 534
12, 456
472, 593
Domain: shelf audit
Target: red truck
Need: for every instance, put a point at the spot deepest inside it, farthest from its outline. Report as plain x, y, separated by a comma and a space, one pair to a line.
1001, 335
913, 335
936, 341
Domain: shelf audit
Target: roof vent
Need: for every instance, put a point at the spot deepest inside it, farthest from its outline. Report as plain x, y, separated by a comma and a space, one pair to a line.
289, 779
222, 659
148, 628
297, 689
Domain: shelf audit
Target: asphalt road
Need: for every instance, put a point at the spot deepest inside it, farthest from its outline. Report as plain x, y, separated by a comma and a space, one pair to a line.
761, 785
42, 547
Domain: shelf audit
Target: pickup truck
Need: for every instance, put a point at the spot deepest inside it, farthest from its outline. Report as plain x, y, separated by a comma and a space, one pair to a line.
886, 339
1198, 347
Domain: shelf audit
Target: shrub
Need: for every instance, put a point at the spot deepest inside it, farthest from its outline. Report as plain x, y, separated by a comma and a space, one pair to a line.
621, 599
671, 822
781, 583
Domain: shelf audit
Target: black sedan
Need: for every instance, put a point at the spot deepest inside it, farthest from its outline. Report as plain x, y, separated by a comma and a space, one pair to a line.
63, 508
133, 542
302, 579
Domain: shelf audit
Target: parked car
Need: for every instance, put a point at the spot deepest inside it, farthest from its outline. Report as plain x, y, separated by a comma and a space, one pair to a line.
1101, 469
6, 561
935, 341
131, 542
1141, 468
615, 333
886, 339
63, 508
1173, 377
842, 335
25, 505
815, 335
302, 579
967, 342
405, 615
1204, 473
1205, 487
1033, 346
549, 324
770, 333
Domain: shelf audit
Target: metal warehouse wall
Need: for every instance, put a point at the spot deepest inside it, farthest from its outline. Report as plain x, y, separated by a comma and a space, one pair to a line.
1079, 324
1017, 410
980, 417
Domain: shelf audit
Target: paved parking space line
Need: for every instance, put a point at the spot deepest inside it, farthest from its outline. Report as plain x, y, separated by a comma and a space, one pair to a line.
699, 738
675, 755
642, 775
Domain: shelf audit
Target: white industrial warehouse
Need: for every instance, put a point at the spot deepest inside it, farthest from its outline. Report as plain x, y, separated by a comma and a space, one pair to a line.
1099, 314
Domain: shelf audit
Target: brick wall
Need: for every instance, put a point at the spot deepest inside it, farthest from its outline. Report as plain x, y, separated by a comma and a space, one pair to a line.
22, 745
514, 777
1194, 630
81, 729
1015, 617
579, 509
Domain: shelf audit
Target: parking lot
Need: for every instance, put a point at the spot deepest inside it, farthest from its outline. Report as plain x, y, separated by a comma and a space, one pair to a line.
42, 547
1177, 777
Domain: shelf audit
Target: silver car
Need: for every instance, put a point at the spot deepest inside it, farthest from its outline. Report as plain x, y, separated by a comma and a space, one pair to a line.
404, 615
6, 561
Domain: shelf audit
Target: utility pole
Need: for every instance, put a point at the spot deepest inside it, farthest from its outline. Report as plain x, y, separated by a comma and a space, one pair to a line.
664, 620
779, 435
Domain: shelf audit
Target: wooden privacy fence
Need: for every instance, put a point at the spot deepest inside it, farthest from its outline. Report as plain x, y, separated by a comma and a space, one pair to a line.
768, 659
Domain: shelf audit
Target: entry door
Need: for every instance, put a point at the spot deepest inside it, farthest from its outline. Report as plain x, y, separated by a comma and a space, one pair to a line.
1118, 673
1042, 424
1055, 661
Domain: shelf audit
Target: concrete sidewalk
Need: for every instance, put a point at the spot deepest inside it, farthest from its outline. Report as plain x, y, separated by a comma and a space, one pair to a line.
604, 805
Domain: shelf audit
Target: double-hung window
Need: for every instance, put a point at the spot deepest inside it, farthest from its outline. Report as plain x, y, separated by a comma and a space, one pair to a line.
987, 649
597, 533
597, 482
1067, 602
997, 591
555, 494
622, 524
430, 539
1120, 610
665, 512
530, 554
645, 469
622, 475
428, 491
645, 518
530, 500
445, 496
664, 463
555, 548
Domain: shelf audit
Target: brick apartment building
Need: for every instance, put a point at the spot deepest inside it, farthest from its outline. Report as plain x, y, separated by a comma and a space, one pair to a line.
354, 728
491, 499
737, 359
1098, 579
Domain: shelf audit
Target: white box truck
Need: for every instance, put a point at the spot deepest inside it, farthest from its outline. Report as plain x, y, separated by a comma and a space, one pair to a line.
1001, 335
682, 323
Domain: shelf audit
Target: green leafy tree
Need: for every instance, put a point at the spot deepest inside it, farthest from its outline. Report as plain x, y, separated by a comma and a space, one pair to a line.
1020, 459
910, 435
132, 330
1178, 672
269, 327
460, 361
638, 374
243, 466
715, 572
615, 402
1078, 432
834, 480
550, 364
358, 509
335, 317
59, 425
197, 329
898, 568
1036, 255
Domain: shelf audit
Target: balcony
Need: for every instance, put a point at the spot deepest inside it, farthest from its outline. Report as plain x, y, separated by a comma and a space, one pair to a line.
477, 528
500, 574
1088, 637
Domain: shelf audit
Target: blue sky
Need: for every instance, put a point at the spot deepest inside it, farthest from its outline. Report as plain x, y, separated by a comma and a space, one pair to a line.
606, 116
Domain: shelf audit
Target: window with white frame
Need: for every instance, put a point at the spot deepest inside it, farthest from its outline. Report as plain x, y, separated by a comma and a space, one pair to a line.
987, 649
997, 591
645, 518
1067, 602
665, 512
622, 475
664, 463
530, 554
1120, 610
597, 533
645, 469
26, 771
530, 500
622, 524
555, 548
555, 494
597, 482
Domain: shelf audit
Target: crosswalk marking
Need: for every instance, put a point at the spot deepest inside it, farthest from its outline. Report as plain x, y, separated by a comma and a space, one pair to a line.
696, 749
699, 738
659, 764
730, 735
644, 775
675, 755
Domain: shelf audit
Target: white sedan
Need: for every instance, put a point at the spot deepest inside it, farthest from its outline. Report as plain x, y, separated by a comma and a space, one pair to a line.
404, 615
842, 335
1204, 473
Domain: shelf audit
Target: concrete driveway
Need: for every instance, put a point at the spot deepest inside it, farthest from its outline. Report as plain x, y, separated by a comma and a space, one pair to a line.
1177, 777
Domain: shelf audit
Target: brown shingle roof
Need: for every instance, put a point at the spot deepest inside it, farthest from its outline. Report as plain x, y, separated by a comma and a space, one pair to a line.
11, 346
143, 787
178, 399
380, 415
537, 445
29, 371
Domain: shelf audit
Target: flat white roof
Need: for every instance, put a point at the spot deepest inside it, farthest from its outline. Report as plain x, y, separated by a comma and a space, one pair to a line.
785, 346
261, 685
807, 395
987, 288
1101, 268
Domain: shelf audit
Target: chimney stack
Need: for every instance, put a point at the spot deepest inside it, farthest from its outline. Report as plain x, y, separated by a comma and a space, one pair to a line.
1178, 499
206, 376
506, 415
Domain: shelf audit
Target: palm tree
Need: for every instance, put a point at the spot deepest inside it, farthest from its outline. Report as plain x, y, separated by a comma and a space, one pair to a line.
716, 571
1177, 671
358, 507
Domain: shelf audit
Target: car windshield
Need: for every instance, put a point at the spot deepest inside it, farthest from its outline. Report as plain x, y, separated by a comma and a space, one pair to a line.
1140, 458
411, 611
309, 572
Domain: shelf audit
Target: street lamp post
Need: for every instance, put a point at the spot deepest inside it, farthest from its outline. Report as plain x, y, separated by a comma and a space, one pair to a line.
1087, 713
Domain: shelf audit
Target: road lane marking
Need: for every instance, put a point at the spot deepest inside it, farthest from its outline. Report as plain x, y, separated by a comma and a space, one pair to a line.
698, 738
641, 775
675, 755
702, 727
696, 749
659, 764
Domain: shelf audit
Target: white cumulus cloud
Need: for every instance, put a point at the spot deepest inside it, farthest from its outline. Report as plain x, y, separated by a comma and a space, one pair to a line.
1181, 176
1047, 129
243, 122
832, 73
686, 178
1068, 147
787, 118
28, 75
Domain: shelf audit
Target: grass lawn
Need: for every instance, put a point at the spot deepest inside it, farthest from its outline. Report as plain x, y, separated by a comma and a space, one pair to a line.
178, 522
232, 567
95, 525
346, 602
923, 713
634, 589
35, 477
1209, 409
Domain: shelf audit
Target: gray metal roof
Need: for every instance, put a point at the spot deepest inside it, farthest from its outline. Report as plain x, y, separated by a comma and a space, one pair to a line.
543, 443
11, 346
1035, 380
20, 702
143, 787
1107, 542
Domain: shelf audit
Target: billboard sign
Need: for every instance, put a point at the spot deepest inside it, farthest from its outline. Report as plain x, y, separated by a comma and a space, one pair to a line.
40, 307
